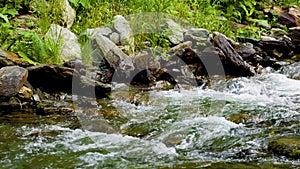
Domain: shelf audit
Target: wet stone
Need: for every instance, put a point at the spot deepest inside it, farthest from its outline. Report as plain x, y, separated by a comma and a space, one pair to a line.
12, 78
287, 146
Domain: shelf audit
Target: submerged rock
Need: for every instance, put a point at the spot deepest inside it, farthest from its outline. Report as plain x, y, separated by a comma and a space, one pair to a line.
12, 78
287, 146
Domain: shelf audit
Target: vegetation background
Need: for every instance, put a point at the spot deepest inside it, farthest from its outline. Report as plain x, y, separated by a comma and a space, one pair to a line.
215, 15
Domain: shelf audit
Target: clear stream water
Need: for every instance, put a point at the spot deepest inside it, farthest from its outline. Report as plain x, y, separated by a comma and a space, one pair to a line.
227, 125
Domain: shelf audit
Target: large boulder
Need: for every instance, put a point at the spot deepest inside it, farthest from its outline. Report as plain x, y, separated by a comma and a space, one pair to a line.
69, 41
12, 78
55, 79
51, 78
106, 50
233, 63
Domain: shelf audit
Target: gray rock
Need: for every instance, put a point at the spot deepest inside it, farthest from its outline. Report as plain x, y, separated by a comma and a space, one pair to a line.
114, 37
174, 32
277, 33
197, 32
268, 38
180, 47
113, 55
105, 31
145, 60
121, 25
12, 78
244, 51
70, 45
68, 14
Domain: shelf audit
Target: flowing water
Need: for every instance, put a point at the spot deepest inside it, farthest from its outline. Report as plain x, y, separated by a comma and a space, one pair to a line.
226, 125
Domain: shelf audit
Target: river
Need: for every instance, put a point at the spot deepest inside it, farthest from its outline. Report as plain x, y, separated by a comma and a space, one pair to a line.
228, 124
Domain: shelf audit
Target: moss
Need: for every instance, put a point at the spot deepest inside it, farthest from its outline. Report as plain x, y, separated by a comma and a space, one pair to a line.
286, 146
240, 118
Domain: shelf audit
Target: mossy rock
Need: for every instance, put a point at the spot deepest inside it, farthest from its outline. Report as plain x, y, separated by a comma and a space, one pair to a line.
240, 118
286, 146
139, 129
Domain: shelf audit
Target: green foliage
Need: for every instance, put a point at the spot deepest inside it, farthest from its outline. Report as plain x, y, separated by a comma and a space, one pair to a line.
94, 13
31, 47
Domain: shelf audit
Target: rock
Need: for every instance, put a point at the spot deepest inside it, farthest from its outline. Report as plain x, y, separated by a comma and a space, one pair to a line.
162, 85
68, 14
114, 56
10, 59
245, 52
25, 93
105, 31
233, 63
264, 24
5, 59
97, 125
146, 67
85, 86
76, 64
197, 32
114, 37
287, 146
198, 37
10, 104
278, 33
12, 78
145, 60
70, 45
277, 48
295, 12
9, 55
295, 36
174, 32
240, 118
63, 79
180, 48
122, 26
268, 38
287, 19
51, 78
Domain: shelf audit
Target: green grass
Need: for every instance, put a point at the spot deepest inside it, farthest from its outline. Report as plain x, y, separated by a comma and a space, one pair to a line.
96, 13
